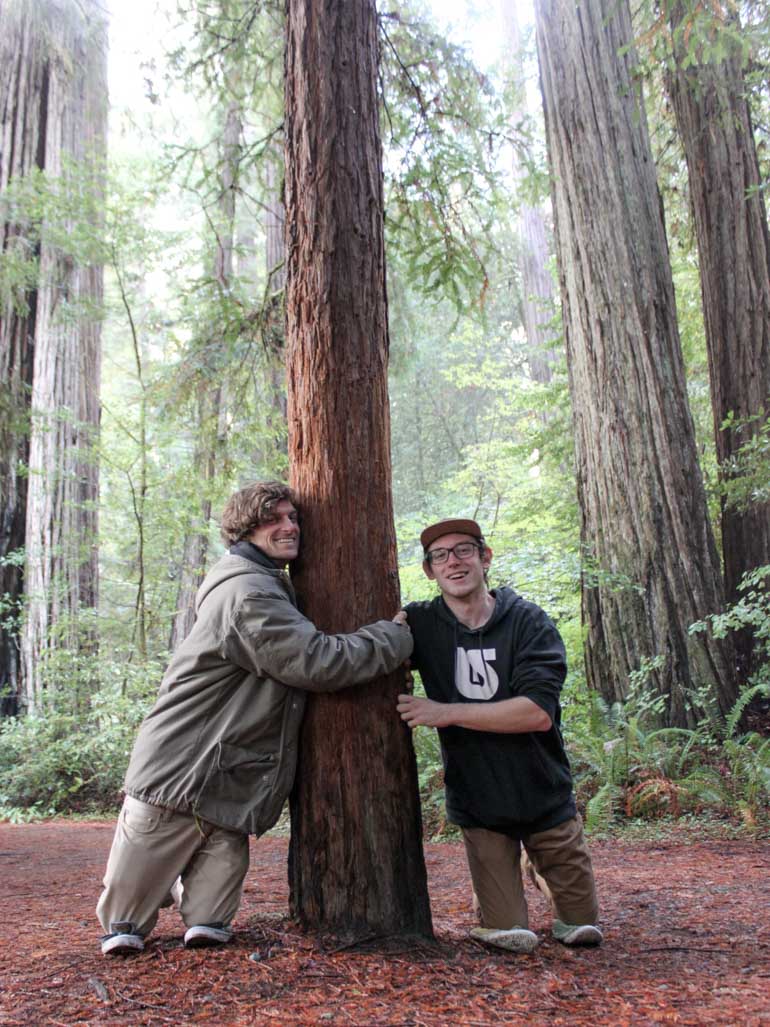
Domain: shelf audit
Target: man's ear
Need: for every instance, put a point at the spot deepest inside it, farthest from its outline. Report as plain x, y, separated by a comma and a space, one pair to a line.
486, 557
428, 570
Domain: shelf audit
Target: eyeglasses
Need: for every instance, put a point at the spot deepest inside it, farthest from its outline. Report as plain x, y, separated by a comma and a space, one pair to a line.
463, 551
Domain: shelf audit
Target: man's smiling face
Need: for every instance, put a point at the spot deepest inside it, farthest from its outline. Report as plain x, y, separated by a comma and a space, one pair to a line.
455, 576
278, 538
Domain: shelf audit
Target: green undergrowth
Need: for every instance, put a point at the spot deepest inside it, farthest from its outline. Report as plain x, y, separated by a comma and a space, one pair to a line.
68, 758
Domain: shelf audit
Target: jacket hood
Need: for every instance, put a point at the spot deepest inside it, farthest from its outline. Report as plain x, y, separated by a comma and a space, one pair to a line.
505, 599
231, 566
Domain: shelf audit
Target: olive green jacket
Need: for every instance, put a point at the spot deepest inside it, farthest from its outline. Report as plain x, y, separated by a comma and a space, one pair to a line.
221, 740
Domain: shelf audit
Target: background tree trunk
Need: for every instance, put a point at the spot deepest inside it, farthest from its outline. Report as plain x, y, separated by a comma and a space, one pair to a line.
23, 112
537, 302
653, 568
356, 861
709, 100
65, 77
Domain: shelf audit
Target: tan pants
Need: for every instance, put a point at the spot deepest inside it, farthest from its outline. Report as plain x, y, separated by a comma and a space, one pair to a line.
152, 848
557, 861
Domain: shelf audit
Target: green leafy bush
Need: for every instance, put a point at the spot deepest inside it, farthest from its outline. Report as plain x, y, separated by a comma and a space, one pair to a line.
625, 770
59, 760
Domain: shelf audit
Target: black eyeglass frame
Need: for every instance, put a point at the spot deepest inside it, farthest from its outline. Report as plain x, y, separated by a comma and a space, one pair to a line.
430, 556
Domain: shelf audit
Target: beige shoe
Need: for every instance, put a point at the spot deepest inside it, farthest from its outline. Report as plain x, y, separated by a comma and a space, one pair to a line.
582, 935
516, 939
205, 936
122, 943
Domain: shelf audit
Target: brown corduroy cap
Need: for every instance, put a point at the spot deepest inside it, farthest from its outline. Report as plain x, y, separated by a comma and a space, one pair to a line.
459, 525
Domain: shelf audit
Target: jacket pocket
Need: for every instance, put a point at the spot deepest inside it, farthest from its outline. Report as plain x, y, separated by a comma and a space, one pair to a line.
237, 785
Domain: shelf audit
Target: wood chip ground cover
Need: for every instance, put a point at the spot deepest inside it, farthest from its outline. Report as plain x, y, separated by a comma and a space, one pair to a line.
686, 925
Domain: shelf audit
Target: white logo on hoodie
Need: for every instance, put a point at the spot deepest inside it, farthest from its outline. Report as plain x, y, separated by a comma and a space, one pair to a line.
475, 677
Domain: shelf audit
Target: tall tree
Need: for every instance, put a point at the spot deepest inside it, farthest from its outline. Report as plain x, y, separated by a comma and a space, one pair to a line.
709, 97
356, 862
537, 304
209, 434
23, 110
644, 525
58, 125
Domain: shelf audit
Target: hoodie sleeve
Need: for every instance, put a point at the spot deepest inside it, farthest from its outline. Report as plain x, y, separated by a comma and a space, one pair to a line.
539, 661
270, 636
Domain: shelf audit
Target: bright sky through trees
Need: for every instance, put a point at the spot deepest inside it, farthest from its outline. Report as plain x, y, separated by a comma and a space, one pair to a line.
139, 33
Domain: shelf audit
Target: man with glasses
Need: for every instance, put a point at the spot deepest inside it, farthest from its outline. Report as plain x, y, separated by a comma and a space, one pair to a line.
493, 666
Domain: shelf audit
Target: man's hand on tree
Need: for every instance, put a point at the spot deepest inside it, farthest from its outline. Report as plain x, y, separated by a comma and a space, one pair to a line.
416, 710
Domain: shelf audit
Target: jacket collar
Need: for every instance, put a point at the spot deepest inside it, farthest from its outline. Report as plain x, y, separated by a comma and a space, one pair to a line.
251, 552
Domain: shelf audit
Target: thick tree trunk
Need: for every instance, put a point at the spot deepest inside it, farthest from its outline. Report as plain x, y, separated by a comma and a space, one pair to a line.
275, 321
23, 113
63, 75
537, 304
709, 100
356, 861
209, 442
653, 568
538, 299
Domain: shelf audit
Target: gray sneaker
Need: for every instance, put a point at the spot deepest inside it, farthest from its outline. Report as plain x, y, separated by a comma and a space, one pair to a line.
516, 939
582, 935
206, 935
122, 940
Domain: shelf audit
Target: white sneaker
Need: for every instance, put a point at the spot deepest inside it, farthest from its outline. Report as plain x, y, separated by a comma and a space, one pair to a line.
206, 935
516, 939
122, 944
585, 935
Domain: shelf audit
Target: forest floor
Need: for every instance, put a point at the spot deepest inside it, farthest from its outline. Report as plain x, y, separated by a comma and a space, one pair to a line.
687, 941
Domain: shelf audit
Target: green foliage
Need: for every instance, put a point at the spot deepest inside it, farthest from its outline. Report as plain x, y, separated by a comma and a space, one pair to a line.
443, 126
430, 773
61, 760
749, 774
10, 607
702, 31
60, 212
751, 611
626, 770
745, 477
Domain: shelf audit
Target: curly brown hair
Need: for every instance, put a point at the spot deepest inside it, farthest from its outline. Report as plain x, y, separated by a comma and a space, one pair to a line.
250, 507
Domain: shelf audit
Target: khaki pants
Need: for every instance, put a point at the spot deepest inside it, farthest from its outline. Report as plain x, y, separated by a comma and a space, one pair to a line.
152, 848
557, 861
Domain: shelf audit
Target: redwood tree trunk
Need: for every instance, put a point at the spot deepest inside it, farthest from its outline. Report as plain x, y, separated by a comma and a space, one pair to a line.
23, 112
356, 861
709, 100
275, 322
60, 120
653, 568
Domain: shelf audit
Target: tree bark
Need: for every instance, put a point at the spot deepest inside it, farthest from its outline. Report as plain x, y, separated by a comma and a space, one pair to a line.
356, 861
709, 100
60, 128
653, 568
23, 112
274, 319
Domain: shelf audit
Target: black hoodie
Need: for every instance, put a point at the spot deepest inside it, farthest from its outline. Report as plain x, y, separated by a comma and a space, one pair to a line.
514, 783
